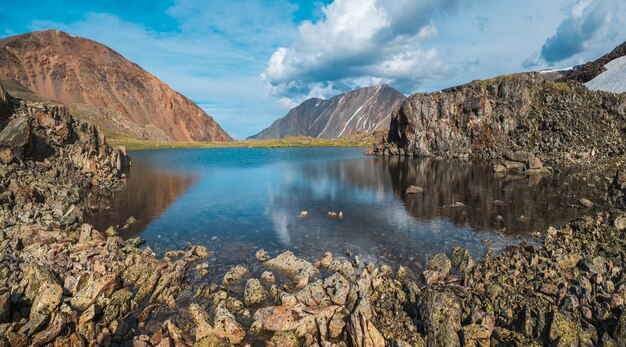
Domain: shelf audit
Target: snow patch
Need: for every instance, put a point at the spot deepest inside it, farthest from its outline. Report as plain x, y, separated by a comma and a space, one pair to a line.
355, 113
613, 79
556, 70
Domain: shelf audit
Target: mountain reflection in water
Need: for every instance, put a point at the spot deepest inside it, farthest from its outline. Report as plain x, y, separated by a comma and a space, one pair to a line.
238, 200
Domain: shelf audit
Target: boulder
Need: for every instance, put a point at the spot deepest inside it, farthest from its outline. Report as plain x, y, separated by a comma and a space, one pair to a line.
440, 312
268, 277
226, 326
262, 255
17, 136
313, 294
254, 293
234, 275
337, 288
201, 319
438, 267
462, 259
563, 331
36, 276
275, 318
414, 190
6, 156
363, 333
620, 222
291, 266
104, 286
48, 298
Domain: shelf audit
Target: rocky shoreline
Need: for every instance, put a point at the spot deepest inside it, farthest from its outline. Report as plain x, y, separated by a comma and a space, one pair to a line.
63, 283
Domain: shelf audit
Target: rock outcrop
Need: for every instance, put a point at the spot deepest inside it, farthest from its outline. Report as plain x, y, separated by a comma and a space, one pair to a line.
48, 160
359, 111
103, 87
522, 119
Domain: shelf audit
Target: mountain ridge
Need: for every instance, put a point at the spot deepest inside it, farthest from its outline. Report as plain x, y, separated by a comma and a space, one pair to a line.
80, 71
337, 116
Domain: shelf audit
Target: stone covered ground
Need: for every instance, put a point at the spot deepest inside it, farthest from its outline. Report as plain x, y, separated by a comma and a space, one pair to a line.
63, 283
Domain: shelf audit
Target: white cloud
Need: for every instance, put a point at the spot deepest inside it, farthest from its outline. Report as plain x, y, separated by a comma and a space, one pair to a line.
587, 26
214, 56
358, 42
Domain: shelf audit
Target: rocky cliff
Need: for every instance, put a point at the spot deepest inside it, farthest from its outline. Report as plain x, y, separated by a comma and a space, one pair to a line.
361, 110
520, 117
125, 98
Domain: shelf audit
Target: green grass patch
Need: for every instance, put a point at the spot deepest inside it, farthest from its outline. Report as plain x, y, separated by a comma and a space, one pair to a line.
353, 140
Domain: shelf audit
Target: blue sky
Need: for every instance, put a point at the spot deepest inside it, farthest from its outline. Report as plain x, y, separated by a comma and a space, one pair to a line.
247, 62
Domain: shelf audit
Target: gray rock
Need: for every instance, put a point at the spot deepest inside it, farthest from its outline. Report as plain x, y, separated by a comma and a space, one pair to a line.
17, 136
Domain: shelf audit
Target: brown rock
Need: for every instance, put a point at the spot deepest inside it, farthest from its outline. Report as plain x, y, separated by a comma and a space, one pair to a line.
6, 155
105, 286
48, 298
291, 266
363, 333
226, 326
337, 288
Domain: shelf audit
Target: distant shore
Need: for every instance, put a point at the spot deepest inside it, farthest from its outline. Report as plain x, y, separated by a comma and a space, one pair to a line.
353, 140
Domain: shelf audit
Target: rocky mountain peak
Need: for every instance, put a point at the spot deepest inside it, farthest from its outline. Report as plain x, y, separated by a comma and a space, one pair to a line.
361, 110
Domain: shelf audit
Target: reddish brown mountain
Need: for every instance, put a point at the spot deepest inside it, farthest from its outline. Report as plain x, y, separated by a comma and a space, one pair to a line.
104, 87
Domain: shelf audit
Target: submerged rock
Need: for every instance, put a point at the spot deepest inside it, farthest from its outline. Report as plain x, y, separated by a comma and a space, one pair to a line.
414, 190
291, 266
234, 275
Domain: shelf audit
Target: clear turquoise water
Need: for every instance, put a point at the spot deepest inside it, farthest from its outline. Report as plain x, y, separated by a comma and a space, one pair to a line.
238, 200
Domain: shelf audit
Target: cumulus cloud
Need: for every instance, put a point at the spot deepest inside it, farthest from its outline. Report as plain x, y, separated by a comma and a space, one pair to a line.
357, 43
587, 23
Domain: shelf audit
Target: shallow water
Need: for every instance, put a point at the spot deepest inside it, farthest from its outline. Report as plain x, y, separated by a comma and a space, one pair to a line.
237, 200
